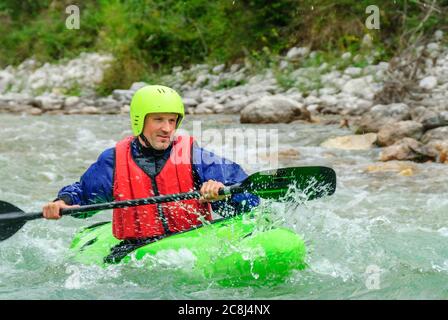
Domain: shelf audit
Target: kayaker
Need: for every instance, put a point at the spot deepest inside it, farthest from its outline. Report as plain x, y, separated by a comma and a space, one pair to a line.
156, 162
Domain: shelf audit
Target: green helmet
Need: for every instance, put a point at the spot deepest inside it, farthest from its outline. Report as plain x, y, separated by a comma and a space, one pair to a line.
154, 99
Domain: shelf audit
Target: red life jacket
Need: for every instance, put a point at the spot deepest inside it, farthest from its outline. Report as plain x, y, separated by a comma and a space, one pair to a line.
131, 182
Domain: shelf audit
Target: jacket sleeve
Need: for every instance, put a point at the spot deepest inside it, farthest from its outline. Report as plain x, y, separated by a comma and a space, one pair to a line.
94, 186
209, 166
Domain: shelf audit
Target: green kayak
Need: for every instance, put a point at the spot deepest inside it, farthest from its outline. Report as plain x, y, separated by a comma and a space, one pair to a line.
232, 252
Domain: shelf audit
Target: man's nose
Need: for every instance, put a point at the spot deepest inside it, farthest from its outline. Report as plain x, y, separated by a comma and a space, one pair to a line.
166, 126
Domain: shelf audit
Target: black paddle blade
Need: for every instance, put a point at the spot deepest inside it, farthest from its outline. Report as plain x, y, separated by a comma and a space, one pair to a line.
280, 184
9, 227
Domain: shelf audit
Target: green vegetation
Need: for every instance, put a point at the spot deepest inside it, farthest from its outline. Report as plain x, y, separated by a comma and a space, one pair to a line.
149, 37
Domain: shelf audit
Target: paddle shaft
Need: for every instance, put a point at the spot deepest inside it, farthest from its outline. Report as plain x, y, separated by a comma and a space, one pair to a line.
118, 204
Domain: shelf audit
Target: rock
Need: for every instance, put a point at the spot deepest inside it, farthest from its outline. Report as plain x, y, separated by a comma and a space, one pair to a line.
429, 118
108, 106
235, 67
218, 108
177, 69
311, 100
288, 154
273, 109
367, 41
218, 69
391, 133
48, 103
190, 102
71, 102
125, 109
235, 106
284, 65
201, 80
360, 87
327, 100
137, 85
351, 142
193, 94
438, 35
6, 79
327, 91
89, 110
380, 115
428, 83
440, 133
346, 56
432, 47
406, 172
123, 95
19, 108
404, 149
83, 72
353, 71
401, 167
205, 107
295, 53
437, 150
35, 111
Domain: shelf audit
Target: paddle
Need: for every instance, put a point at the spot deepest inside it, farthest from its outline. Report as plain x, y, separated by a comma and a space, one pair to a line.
270, 184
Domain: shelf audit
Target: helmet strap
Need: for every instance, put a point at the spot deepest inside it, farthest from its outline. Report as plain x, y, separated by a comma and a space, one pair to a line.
148, 145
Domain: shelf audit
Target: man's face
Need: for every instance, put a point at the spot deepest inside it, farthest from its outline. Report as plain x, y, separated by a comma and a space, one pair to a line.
159, 129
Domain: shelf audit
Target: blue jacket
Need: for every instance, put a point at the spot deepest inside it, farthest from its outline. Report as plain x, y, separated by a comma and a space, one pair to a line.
96, 184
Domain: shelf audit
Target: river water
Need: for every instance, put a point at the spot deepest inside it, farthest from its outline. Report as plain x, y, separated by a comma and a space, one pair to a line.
382, 235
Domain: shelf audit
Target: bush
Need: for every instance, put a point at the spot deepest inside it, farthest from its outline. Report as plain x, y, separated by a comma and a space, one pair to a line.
148, 37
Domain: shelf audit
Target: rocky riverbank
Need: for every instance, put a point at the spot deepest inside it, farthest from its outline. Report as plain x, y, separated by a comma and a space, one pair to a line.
413, 127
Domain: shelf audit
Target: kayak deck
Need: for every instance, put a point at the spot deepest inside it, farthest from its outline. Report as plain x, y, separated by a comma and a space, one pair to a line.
232, 252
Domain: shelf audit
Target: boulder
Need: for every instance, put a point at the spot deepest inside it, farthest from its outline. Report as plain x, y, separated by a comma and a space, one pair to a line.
34, 111
89, 110
392, 132
206, 107
404, 149
380, 115
137, 85
123, 95
437, 150
429, 118
440, 133
404, 168
6, 80
190, 102
273, 109
351, 142
295, 53
360, 87
218, 69
353, 71
48, 103
108, 105
428, 83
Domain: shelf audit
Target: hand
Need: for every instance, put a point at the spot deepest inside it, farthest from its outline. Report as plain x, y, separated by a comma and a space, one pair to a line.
209, 191
52, 209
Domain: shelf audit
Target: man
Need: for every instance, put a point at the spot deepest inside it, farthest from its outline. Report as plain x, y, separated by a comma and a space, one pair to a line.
156, 162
